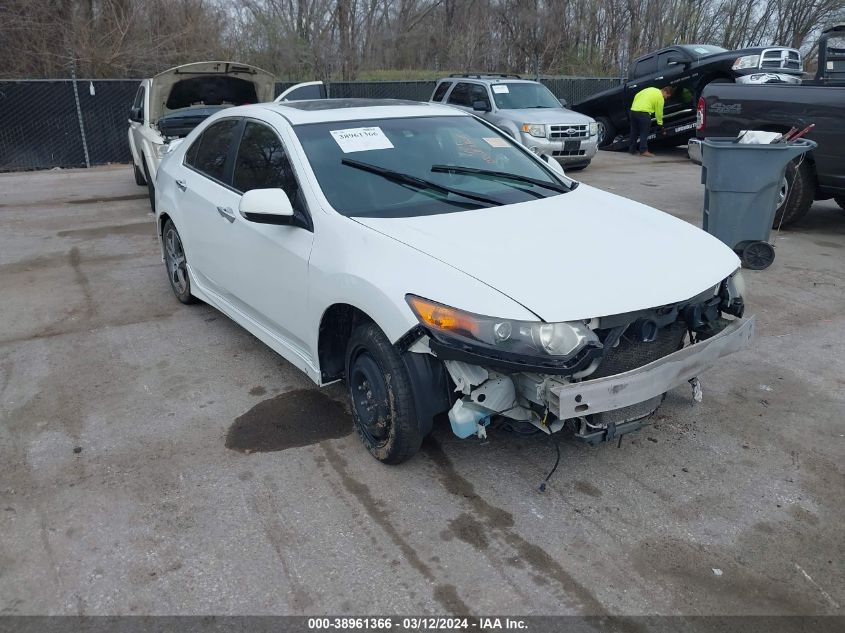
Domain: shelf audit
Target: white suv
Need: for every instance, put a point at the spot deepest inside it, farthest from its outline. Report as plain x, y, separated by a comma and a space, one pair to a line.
436, 265
171, 104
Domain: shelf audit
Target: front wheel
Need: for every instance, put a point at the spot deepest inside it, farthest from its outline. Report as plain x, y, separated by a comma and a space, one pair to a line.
139, 176
606, 131
177, 264
381, 396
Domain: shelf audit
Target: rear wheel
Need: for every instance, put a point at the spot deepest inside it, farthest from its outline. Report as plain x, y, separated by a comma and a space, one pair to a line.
797, 191
381, 396
606, 131
176, 263
151, 188
139, 176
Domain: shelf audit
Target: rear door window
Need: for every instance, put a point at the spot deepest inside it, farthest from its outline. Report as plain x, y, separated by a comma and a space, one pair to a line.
441, 90
212, 149
644, 67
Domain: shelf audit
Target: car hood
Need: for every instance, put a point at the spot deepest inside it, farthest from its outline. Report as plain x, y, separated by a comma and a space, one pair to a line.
579, 255
163, 83
549, 116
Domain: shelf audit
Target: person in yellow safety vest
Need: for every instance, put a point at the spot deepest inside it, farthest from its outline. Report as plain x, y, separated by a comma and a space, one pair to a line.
647, 102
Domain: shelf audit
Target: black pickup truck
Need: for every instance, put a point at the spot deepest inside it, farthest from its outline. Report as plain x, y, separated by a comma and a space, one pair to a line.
689, 68
726, 110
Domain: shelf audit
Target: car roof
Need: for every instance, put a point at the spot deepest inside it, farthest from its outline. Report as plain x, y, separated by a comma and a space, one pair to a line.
492, 79
328, 110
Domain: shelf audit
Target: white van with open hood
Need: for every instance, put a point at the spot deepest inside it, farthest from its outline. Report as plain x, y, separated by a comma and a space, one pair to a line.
171, 104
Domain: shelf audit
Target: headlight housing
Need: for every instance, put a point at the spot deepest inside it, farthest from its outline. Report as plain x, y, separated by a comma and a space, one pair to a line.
594, 128
534, 129
746, 61
159, 149
533, 338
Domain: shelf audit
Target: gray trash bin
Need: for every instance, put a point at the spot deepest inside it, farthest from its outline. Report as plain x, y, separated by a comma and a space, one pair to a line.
742, 183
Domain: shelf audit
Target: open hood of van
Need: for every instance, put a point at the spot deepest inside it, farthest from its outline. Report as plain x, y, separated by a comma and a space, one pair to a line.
209, 84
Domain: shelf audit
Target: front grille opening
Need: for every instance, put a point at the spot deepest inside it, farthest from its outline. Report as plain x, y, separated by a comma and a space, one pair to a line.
566, 132
575, 152
630, 354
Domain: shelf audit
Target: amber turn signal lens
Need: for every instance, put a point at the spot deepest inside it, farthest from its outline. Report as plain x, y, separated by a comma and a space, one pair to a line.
442, 317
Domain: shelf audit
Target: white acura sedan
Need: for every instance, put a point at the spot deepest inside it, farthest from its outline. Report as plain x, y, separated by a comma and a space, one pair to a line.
436, 265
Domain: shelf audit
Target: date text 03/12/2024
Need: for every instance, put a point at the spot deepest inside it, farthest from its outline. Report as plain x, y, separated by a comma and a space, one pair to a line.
416, 623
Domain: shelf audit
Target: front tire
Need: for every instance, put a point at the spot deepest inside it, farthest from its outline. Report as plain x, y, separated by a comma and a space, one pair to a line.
381, 396
177, 263
796, 194
139, 176
607, 131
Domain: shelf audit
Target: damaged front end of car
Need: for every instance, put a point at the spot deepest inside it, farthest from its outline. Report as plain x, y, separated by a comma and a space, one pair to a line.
600, 378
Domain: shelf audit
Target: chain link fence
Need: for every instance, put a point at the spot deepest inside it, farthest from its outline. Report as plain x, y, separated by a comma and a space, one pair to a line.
61, 123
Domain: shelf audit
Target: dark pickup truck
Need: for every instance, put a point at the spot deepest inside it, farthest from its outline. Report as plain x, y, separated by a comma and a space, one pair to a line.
726, 110
689, 68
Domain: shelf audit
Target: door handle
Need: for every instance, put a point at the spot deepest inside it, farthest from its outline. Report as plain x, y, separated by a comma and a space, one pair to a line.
658, 78
182, 185
227, 213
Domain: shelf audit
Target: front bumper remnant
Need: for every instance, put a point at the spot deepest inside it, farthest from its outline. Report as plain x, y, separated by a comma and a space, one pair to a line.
572, 400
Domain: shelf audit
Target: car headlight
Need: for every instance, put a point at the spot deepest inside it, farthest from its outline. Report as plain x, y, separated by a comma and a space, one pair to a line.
516, 337
746, 61
159, 149
534, 129
594, 128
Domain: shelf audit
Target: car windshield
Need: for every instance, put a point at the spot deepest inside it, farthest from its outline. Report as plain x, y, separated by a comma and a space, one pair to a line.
422, 166
520, 96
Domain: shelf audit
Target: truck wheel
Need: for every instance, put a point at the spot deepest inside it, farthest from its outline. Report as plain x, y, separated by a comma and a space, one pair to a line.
139, 176
796, 194
151, 188
607, 131
381, 396
840, 200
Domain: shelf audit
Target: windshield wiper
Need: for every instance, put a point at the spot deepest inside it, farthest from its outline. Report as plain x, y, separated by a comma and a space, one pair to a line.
417, 183
454, 169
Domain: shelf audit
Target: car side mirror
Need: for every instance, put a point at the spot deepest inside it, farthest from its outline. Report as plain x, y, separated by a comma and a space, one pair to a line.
676, 61
136, 115
266, 206
564, 103
481, 106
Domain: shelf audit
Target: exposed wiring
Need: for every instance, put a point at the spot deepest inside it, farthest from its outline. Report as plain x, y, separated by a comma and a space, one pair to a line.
542, 487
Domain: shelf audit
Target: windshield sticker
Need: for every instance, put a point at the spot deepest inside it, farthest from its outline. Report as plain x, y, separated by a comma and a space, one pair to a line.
495, 141
361, 139
500, 89
701, 51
